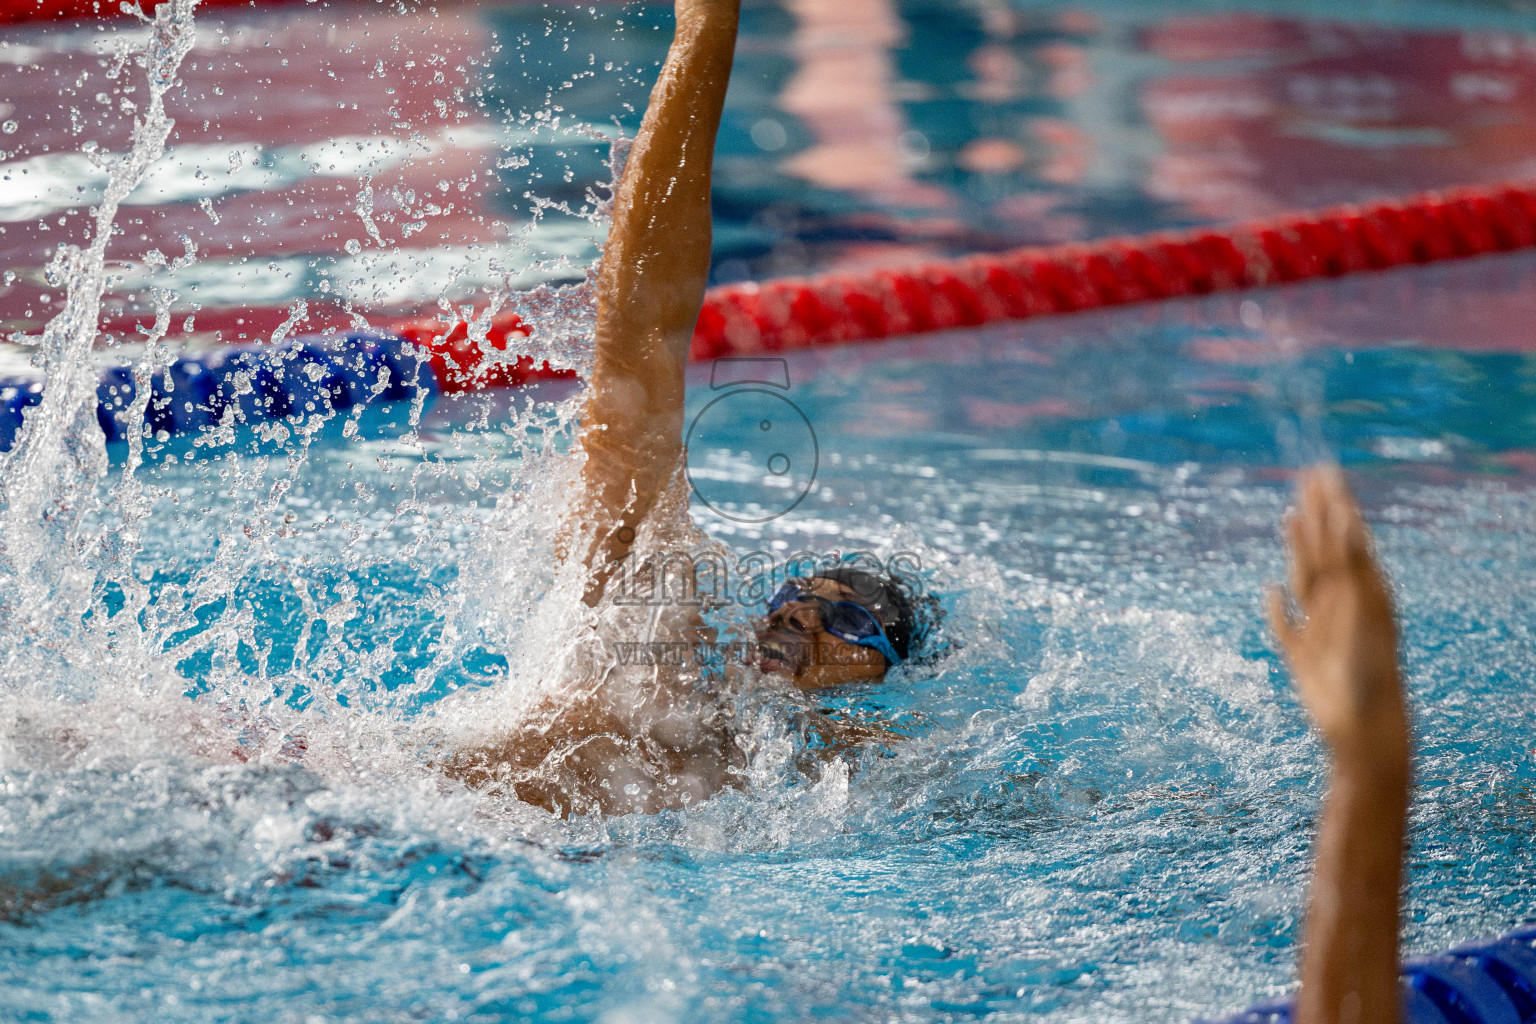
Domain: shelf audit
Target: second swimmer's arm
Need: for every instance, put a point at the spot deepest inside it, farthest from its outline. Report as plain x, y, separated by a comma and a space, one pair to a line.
651, 285
1343, 658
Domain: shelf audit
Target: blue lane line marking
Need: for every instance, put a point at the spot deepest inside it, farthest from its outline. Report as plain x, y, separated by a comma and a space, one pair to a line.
306, 374
1487, 982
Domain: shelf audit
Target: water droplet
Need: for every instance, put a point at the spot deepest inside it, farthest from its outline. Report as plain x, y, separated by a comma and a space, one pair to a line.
769, 135
9, 127
353, 246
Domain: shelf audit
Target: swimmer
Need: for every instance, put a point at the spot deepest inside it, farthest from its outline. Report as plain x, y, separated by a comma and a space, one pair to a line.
1342, 651
645, 739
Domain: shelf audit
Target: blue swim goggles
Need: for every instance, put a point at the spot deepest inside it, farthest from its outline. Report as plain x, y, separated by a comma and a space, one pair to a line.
843, 619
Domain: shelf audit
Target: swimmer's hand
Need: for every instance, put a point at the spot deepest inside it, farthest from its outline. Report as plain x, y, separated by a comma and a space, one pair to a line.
847, 735
1342, 649
838, 736
1343, 656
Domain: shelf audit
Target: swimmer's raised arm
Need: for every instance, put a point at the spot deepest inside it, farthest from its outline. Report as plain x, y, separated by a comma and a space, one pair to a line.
650, 286
1343, 658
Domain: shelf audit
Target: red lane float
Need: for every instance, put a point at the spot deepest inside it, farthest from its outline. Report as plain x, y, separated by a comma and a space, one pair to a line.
833, 309
782, 315
462, 365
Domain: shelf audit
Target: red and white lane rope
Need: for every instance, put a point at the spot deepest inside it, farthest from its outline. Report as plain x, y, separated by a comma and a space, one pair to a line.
833, 309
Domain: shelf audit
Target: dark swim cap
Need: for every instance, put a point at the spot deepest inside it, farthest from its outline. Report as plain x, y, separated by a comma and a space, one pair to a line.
883, 595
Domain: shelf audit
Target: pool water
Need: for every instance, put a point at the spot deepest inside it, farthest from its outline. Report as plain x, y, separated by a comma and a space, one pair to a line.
1103, 803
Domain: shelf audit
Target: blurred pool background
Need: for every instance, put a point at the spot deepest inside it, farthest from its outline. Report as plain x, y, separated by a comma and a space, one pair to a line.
867, 133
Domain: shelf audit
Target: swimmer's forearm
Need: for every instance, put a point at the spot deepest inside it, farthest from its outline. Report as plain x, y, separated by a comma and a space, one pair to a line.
1342, 650
1349, 966
655, 264
656, 261
650, 286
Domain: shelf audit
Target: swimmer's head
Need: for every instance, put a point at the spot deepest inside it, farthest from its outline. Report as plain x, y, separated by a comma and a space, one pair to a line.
842, 625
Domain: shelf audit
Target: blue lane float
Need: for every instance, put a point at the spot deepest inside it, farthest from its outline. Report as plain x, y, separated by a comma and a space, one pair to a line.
1488, 982
16, 396
247, 385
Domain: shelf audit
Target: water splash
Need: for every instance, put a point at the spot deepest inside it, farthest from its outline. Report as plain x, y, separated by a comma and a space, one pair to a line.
48, 479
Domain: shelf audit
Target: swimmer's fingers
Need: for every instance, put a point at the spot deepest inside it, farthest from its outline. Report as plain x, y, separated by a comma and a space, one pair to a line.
1338, 517
1316, 507
1350, 536
1302, 563
1326, 533
1345, 540
1347, 547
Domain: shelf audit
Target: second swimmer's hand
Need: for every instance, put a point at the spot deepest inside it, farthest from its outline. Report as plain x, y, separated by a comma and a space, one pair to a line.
1342, 649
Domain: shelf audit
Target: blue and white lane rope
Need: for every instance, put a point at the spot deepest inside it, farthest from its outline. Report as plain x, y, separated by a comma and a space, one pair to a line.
248, 384
1492, 981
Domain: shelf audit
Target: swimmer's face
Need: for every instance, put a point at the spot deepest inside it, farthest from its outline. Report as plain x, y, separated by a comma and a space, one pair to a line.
792, 641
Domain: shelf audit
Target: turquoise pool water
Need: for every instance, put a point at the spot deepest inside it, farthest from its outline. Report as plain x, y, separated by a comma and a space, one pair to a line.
1102, 807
